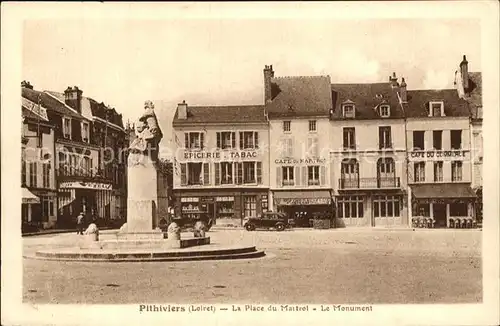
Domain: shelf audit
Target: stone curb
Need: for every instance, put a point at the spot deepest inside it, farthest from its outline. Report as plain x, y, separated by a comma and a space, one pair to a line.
48, 232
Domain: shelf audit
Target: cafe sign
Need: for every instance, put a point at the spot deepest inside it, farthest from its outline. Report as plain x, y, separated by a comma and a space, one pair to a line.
85, 185
301, 161
302, 201
438, 154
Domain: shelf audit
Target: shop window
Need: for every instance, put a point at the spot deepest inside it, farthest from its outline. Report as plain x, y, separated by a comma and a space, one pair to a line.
312, 147
25, 212
350, 207
419, 140
386, 206
312, 125
419, 171
438, 171
287, 126
384, 137
194, 140
456, 139
225, 207
250, 206
226, 140
458, 209
288, 177
349, 138
456, 171
437, 139
422, 210
249, 140
33, 174
313, 175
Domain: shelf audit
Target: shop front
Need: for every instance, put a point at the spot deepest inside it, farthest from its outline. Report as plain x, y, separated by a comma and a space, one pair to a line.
443, 205
223, 206
93, 199
304, 205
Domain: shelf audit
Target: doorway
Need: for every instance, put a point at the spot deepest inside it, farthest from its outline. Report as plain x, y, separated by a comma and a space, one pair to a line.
439, 211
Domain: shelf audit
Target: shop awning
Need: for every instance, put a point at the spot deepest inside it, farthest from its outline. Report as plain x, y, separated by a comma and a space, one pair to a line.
290, 198
28, 197
442, 191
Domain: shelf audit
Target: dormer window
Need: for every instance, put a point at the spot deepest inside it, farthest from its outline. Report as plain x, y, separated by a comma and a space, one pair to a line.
385, 111
436, 109
348, 110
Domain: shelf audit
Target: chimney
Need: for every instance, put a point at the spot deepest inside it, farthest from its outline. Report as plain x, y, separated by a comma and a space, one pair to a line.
464, 70
394, 80
26, 84
73, 98
268, 74
402, 90
182, 110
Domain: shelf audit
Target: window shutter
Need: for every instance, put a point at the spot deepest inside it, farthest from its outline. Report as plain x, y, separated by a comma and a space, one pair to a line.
290, 147
241, 140
389, 136
296, 176
256, 139
183, 174
322, 175
219, 145
346, 139
186, 140
304, 175
259, 173
309, 146
316, 149
380, 137
239, 173
353, 132
217, 173
202, 139
206, 173
278, 176
233, 140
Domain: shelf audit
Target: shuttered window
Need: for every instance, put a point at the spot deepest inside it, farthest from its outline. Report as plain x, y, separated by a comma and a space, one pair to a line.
239, 173
206, 173
183, 174
217, 173
322, 175
259, 173
312, 146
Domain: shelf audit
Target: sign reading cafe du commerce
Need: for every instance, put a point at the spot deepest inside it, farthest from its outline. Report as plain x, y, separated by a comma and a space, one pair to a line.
438, 154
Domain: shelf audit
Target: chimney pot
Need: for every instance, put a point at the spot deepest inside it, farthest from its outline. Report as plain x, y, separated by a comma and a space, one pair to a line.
268, 74
464, 70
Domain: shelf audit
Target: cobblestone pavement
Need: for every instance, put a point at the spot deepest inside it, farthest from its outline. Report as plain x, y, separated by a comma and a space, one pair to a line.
302, 266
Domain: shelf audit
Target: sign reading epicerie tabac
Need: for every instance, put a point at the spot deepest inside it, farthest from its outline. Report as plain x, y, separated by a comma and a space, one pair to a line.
438, 154
219, 155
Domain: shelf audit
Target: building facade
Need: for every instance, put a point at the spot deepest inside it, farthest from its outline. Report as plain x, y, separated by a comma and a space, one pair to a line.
368, 154
221, 163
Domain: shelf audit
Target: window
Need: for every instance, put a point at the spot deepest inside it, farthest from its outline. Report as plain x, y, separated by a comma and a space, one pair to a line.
436, 109
385, 111
87, 167
438, 171
384, 137
386, 166
287, 172
250, 206
33, 174
67, 128
287, 126
350, 207
313, 175
46, 175
194, 172
458, 209
386, 206
419, 140
456, 171
349, 171
422, 210
456, 139
348, 111
194, 140
312, 147
419, 171
226, 140
287, 147
226, 172
85, 132
349, 138
437, 139
249, 140
23, 172
249, 172
312, 125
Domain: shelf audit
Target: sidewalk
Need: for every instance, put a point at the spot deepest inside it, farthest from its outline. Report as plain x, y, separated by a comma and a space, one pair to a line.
57, 231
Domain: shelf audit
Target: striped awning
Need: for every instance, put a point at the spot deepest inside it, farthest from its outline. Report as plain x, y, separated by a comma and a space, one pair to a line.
292, 198
28, 197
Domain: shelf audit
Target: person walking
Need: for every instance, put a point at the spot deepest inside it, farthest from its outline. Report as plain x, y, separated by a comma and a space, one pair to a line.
79, 223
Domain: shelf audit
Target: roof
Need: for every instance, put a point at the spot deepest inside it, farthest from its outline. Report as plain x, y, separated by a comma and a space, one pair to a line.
222, 114
443, 190
418, 103
300, 96
31, 115
49, 102
476, 94
367, 97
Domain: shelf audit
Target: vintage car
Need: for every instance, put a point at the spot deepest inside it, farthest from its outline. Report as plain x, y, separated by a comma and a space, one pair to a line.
268, 220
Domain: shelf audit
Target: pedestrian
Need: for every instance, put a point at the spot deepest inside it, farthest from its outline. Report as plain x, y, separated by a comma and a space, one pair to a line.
79, 223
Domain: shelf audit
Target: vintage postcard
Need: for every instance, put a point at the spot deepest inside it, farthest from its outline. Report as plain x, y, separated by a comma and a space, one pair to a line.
213, 163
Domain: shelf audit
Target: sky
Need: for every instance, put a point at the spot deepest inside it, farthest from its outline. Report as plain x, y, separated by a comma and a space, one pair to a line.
219, 62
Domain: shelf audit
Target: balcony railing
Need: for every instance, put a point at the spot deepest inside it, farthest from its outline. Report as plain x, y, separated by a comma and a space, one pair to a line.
369, 183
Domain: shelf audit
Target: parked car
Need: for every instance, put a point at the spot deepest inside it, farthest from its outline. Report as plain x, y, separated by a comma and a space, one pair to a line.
278, 221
